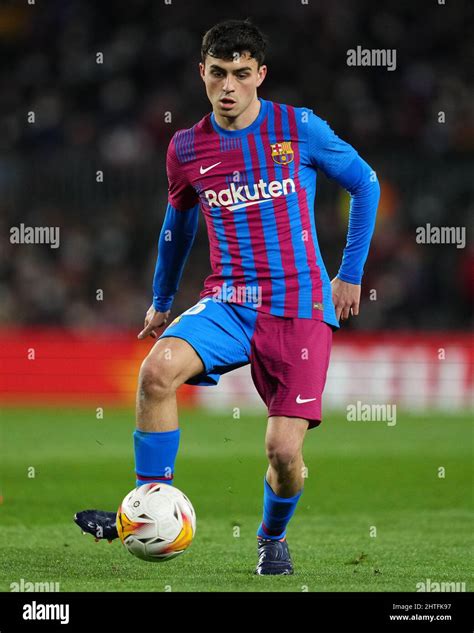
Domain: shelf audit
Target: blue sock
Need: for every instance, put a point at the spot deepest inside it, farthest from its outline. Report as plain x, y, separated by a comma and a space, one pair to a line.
277, 512
155, 454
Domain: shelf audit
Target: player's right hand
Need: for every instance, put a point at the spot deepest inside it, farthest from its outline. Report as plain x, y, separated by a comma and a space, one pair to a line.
153, 321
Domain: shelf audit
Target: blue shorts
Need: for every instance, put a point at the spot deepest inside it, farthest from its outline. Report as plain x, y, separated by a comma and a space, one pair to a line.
219, 332
288, 357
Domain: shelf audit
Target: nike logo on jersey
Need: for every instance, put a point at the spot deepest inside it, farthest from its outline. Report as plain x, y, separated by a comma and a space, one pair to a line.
300, 400
204, 170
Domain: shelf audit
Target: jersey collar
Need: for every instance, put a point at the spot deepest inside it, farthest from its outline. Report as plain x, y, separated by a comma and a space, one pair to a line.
246, 130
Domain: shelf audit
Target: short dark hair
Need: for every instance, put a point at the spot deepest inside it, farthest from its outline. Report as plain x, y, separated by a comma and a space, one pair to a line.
234, 36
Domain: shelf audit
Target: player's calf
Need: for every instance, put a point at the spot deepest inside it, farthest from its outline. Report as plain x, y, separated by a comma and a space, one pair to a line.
170, 363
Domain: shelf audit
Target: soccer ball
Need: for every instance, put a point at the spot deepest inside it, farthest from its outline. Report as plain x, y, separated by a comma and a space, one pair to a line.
156, 522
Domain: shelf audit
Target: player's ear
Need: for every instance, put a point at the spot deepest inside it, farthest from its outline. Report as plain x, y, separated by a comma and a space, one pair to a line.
202, 70
262, 73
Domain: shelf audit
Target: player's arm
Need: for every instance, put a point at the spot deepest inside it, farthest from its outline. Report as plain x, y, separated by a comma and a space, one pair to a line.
341, 162
361, 182
174, 245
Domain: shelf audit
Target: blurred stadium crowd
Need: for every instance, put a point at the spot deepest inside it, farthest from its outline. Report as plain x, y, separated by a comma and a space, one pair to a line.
110, 116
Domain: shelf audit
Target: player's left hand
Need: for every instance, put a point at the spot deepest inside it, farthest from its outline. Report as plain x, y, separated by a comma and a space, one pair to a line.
346, 298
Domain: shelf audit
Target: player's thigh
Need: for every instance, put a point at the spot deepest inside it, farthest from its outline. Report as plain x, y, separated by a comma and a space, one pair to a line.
171, 361
290, 359
217, 333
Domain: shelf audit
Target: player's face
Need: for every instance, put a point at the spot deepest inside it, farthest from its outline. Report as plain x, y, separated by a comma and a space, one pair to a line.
231, 86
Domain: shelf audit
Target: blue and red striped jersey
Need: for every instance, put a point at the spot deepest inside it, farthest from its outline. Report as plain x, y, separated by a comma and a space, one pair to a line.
256, 188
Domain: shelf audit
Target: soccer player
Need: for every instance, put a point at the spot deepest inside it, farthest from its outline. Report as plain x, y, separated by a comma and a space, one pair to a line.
251, 167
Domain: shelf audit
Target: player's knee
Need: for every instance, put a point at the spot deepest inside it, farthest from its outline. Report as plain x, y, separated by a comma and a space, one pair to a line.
151, 383
282, 456
158, 377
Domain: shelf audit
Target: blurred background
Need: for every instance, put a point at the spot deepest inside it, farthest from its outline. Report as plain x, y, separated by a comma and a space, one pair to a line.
69, 356
112, 116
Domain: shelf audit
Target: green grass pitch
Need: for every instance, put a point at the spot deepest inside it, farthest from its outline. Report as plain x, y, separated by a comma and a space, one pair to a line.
360, 474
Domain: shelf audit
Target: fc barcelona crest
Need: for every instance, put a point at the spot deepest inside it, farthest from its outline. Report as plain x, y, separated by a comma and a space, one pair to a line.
282, 153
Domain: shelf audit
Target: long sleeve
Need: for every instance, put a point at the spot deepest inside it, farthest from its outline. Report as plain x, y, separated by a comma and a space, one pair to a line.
340, 161
361, 182
176, 239
177, 233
